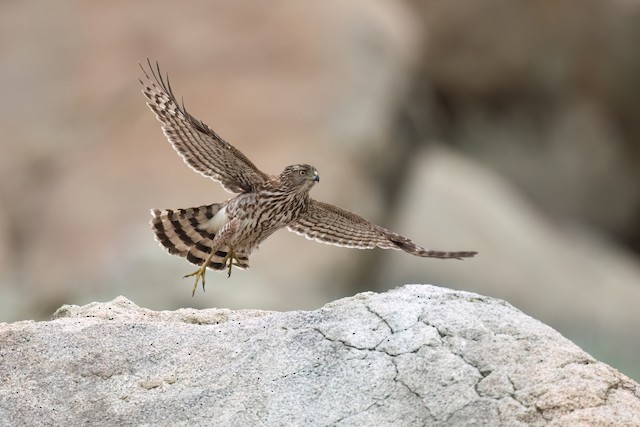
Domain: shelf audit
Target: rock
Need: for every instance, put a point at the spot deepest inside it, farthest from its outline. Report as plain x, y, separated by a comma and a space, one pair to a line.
417, 355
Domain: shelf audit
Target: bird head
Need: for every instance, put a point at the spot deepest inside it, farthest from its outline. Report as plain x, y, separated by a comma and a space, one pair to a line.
300, 176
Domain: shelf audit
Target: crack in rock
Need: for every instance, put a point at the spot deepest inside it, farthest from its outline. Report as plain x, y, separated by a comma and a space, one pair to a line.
379, 316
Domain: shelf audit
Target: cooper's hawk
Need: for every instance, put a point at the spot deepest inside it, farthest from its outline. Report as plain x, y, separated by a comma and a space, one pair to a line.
224, 234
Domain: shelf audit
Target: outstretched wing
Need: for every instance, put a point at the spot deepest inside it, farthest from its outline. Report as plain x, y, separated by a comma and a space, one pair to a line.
330, 224
198, 145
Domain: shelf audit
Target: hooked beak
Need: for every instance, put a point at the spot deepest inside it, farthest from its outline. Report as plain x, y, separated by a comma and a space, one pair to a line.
316, 177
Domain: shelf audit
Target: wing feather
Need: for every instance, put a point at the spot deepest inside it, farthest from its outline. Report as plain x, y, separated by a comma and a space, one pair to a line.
330, 224
199, 146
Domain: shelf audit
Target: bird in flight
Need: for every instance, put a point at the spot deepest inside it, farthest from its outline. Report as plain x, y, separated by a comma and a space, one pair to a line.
221, 235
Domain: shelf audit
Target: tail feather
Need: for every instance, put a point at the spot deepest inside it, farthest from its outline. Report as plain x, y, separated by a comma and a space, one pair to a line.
177, 230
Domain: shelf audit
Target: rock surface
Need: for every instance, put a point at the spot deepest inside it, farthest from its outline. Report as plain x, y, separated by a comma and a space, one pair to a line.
418, 355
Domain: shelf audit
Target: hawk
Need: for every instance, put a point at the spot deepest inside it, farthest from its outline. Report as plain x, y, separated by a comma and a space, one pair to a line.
221, 235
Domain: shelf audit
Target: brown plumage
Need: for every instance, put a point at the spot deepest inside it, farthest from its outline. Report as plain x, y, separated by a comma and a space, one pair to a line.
224, 234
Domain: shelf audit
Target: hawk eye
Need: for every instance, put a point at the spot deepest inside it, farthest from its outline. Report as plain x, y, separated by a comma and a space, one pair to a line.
303, 172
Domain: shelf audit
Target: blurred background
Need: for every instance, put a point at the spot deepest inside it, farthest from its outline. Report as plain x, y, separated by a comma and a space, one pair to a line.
509, 128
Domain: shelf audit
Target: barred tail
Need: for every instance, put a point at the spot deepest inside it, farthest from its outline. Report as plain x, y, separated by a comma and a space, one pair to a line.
177, 230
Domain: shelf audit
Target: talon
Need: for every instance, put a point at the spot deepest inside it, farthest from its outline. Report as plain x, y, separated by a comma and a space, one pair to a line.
200, 274
231, 255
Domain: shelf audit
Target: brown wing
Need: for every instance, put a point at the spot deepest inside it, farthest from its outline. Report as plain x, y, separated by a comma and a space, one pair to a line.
198, 145
330, 224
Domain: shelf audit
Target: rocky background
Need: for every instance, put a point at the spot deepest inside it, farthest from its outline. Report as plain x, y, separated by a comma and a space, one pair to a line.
510, 128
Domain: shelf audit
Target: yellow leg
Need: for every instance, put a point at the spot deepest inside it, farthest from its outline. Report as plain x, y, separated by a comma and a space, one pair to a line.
231, 255
200, 272
230, 258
